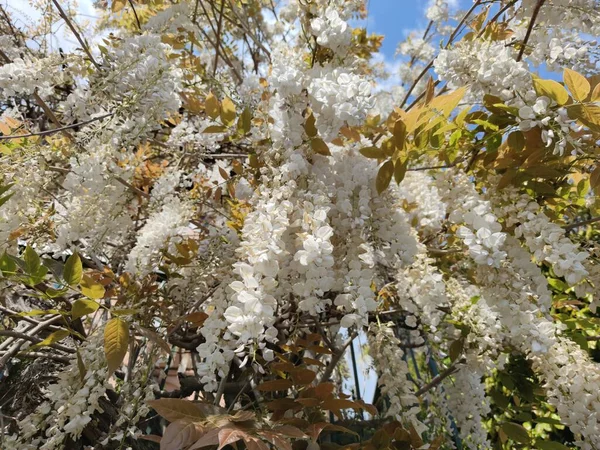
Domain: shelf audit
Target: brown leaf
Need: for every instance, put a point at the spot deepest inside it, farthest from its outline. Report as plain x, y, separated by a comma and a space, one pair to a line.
229, 435
277, 441
284, 404
290, 430
179, 435
210, 438
154, 337
197, 318
315, 429
253, 443
275, 385
319, 146
173, 409
302, 377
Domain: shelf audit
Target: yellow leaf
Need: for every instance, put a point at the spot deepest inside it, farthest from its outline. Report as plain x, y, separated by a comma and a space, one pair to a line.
57, 336
118, 5
319, 146
227, 111
91, 288
384, 176
447, 102
211, 106
596, 94
588, 114
116, 340
577, 84
83, 307
551, 89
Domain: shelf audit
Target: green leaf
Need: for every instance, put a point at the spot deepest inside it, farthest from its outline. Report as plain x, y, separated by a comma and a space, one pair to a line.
516, 432
372, 152
245, 121
550, 445
116, 340
399, 134
6, 198
215, 129
73, 270
551, 89
557, 284
91, 288
81, 367
32, 260
456, 349
384, 176
8, 266
400, 170
57, 336
83, 307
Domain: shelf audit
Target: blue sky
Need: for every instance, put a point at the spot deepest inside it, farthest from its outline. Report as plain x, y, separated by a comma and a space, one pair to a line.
395, 19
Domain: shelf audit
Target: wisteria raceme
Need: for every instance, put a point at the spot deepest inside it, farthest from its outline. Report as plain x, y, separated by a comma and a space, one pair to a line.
234, 192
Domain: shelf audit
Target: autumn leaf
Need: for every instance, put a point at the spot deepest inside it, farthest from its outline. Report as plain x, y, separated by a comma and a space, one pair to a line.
275, 385
211, 106
91, 288
227, 111
116, 340
173, 409
319, 146
551, 89
577, 84
180, 434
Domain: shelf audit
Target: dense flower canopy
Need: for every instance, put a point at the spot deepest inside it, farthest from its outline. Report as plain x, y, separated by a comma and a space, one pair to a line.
224, 189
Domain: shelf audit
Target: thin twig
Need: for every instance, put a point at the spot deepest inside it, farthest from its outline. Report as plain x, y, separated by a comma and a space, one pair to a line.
137, 19
437, 380
582, 223
335, 358
56, 130
76, 33
536, 11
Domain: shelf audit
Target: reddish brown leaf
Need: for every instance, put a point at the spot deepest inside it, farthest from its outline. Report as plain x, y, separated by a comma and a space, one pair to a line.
210, 438
180, 434
290, 430
174, 409
275, 385
229, 435
302, 377
284, 404
308, 402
